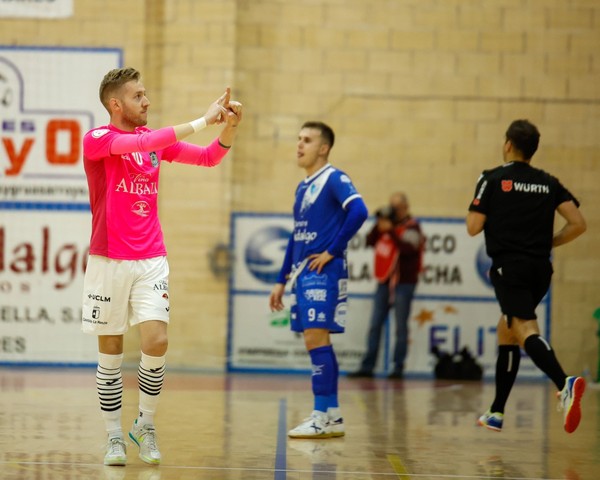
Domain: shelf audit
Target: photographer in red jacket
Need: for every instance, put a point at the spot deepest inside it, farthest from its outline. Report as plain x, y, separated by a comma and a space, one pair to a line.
399, 244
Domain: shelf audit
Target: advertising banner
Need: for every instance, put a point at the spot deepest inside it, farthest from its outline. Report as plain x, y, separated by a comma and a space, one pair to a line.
48, 100
36, 8
454, 306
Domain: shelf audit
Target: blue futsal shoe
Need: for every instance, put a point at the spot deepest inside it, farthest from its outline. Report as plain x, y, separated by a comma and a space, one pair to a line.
491, 421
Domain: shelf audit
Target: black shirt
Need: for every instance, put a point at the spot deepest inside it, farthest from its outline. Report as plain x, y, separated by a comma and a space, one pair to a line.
519, 202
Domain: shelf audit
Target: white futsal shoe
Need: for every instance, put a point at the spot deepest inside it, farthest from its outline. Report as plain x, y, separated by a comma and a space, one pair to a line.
336, 426
315, 426
144, 437
116, 452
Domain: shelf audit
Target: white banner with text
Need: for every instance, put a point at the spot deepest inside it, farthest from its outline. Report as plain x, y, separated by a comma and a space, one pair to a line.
48, 100
454, 305
36, 8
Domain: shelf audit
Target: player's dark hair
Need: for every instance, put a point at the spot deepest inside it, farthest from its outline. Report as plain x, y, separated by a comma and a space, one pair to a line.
114, 80
326, 131
525, 136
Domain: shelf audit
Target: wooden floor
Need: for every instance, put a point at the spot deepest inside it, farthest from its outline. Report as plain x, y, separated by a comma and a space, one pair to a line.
213, 426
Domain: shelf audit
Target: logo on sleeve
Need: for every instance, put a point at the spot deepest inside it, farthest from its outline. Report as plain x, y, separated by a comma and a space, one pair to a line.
154, 159
477, 199
100, 132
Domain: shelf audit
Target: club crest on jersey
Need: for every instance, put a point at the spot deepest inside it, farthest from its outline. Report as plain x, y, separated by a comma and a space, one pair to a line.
507, 185
314, 189
154, 159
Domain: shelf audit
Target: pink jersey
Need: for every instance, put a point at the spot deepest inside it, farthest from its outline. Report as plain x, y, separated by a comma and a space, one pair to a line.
122, 170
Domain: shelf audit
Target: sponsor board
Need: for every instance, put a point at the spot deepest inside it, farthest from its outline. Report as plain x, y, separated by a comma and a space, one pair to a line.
36, 8
42, 261
48, 101
454, 303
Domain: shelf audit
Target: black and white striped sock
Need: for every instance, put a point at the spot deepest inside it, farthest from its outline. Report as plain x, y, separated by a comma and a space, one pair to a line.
109, 383
151, 374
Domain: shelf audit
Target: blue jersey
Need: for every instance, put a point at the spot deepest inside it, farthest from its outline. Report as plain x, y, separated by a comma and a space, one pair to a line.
319, 211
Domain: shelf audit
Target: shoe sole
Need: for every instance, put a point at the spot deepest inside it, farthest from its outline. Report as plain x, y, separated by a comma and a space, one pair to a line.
573, 416
116, 463
313, 437
149, 461
337, 434
489, 427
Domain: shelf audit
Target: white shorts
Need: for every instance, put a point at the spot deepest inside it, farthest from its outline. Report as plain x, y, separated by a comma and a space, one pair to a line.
119, 293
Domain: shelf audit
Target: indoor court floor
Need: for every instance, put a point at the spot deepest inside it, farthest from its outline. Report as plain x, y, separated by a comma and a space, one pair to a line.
218, 426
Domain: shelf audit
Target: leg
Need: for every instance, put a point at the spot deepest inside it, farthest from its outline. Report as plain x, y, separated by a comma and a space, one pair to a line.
527, 333
403, 297
322, 358
320, 312
109, 383
520, 286
507, 365
151, 372
571, 389
381, 307
334, 414
107, 279
318, 345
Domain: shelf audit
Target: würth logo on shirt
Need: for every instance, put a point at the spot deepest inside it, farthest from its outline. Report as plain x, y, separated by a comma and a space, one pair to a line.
509, 185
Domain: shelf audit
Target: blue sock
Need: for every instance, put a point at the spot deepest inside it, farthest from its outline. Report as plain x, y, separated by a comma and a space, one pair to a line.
333, 398
323, 376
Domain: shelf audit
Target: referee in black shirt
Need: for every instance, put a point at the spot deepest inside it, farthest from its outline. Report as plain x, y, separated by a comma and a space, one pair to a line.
514, 206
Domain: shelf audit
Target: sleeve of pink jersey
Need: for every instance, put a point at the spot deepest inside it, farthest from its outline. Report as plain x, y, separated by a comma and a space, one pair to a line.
183, 152
102, 143
96, 143
143, 142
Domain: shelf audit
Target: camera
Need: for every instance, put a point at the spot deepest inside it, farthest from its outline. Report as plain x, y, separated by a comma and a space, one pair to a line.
386, 213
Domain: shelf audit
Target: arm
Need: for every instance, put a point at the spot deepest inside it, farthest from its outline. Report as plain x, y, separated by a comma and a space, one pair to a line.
575, 224
355, 217
286, 267
167, 136
183, 152
276, 297
479, 206
357, 214
475, 222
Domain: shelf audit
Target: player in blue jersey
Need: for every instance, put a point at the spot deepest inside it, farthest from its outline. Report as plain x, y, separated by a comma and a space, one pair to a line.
328, 211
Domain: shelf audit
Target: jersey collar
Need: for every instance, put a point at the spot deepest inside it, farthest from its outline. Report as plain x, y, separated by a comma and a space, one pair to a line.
317, 173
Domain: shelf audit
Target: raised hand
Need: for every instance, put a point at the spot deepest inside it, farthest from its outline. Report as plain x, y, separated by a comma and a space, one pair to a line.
217, 112
234, 113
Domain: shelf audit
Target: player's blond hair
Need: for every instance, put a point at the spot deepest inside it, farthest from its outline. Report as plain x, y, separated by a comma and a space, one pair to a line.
114, 80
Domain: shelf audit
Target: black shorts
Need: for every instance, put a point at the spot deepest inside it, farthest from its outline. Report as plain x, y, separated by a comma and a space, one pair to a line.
520, 285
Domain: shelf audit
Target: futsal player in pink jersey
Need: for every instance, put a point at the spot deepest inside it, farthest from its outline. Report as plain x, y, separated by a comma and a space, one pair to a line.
126, 280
